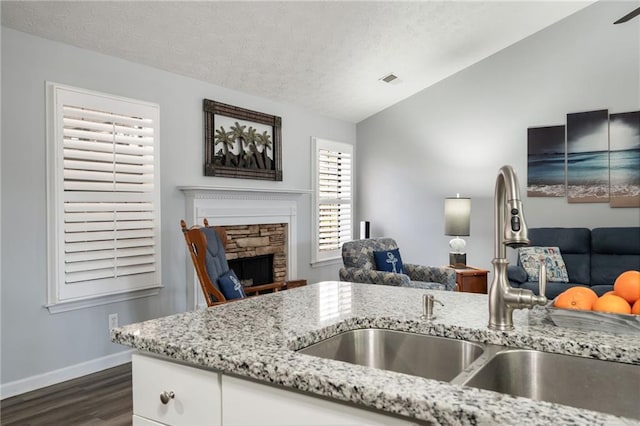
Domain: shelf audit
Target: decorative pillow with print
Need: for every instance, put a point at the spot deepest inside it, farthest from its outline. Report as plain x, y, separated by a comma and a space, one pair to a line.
230, 286
389, 261
531, 257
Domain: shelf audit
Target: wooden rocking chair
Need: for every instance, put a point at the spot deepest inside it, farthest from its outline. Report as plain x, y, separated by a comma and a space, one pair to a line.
201, 252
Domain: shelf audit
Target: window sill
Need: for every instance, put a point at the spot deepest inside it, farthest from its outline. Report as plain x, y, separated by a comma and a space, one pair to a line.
56, 308
326, 262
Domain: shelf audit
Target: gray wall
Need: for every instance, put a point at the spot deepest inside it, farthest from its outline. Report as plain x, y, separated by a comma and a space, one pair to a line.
35, 342
454, 136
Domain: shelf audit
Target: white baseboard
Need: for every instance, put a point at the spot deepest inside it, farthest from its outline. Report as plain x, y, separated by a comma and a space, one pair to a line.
67, 373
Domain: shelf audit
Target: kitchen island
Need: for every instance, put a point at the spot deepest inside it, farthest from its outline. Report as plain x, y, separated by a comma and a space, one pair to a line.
256, 339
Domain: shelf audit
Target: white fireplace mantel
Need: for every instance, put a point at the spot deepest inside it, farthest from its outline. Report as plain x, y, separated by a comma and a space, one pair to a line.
221, 191
224, 206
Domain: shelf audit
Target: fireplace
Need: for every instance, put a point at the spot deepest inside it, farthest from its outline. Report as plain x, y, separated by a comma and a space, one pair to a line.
255, 270
256, 212
257, 253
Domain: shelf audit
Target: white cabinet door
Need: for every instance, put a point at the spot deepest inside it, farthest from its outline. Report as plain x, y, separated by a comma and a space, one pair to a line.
249, 403
196, 392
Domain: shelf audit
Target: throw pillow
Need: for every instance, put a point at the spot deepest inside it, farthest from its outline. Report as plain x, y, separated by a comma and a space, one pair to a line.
389, 261
230, 285
531, 257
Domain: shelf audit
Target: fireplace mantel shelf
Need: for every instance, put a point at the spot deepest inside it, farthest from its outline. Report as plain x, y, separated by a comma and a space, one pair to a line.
229, 189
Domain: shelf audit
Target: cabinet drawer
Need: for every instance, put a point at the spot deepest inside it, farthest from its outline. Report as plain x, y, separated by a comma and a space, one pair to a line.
197, 396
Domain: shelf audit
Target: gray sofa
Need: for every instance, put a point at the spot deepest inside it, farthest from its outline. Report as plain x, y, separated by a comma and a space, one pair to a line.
594, 258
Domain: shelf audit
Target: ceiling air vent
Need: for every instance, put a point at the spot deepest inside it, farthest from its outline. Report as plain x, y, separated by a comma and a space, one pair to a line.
389, 78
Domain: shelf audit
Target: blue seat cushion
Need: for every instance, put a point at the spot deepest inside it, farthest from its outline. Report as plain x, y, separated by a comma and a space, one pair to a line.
389, 261
215, 258
230, 286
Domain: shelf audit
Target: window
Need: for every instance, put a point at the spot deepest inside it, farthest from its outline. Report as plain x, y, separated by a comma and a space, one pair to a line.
333, 198
104, 198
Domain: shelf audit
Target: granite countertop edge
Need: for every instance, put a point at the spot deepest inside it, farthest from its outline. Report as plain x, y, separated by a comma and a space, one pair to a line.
265, 351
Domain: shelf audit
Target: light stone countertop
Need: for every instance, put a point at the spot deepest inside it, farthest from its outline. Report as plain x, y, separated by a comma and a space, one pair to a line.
257, 337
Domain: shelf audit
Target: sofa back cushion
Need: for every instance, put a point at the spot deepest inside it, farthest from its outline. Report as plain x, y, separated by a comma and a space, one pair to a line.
613, 251
574, 245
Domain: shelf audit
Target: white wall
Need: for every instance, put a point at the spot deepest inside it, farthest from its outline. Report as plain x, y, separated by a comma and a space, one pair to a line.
454, 136
35, 342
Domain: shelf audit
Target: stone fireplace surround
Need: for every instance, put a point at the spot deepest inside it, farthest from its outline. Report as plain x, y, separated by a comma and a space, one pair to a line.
238, 207
249, 241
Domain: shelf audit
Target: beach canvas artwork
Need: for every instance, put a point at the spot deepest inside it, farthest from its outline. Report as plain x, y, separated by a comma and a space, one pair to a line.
624, 152
545, 161
588, 157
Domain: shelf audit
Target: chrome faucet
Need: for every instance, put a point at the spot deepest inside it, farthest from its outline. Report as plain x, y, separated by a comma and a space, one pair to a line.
510, 230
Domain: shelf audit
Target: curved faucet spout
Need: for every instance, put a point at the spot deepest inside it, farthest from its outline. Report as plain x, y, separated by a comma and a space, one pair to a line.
512, 232
510, 229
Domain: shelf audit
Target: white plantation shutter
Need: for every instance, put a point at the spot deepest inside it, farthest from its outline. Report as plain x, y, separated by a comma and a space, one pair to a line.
104, 195
334, 198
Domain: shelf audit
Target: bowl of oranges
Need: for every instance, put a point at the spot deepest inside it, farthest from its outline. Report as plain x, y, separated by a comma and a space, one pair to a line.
617, 311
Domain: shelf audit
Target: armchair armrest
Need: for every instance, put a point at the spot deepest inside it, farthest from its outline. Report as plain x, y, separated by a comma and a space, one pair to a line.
435, 274
371, 276
256, 289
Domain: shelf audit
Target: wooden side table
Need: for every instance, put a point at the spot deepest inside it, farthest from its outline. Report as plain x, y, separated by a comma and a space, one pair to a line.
471, 280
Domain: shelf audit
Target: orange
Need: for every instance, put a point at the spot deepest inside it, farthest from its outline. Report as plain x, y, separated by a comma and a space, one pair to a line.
612, 304
584, 290
635, 309
579, 298
610, 292
627, 286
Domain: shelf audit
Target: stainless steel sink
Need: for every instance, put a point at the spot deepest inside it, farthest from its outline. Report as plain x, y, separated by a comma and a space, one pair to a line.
609, 387
431, 357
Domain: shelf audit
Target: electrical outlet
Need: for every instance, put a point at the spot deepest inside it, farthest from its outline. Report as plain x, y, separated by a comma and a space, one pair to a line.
113, 321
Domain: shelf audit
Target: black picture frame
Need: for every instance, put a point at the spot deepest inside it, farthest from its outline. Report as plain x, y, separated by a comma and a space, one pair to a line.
243, 151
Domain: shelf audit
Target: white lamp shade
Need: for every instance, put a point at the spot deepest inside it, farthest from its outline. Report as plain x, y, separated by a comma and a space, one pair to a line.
457, 216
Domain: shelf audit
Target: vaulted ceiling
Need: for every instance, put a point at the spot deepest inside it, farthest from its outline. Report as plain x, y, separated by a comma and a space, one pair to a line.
327, 56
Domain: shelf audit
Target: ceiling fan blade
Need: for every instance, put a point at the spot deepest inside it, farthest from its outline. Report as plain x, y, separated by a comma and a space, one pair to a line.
628, 16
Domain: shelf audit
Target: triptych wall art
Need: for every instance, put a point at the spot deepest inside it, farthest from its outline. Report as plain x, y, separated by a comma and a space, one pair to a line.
594, 158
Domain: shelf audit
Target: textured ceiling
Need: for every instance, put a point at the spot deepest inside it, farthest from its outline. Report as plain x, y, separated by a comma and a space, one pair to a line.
325, 56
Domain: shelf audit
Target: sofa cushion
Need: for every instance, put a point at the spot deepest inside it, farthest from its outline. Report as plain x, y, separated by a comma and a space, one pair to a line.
575, 246
532, 257
389, 261
613, 251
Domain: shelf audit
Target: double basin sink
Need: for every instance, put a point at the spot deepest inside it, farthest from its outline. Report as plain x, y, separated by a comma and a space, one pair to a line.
597, 385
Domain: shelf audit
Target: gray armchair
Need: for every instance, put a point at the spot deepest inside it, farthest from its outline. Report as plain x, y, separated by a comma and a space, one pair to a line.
360, 267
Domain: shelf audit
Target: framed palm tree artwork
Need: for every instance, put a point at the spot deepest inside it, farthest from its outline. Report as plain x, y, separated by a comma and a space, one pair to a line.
241, 143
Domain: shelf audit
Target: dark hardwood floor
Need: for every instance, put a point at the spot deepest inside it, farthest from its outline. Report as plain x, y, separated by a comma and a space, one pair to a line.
102, 398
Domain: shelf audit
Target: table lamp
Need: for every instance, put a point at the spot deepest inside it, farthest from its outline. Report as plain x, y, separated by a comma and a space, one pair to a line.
457, 218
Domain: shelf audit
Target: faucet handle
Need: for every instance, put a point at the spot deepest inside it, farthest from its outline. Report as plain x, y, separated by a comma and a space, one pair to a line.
542, 279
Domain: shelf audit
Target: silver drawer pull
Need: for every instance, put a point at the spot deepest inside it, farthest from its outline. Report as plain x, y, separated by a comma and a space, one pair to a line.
165, 396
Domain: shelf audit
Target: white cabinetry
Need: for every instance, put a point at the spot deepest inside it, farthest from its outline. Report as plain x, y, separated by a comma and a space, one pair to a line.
202, 397
196, 393
141, 421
